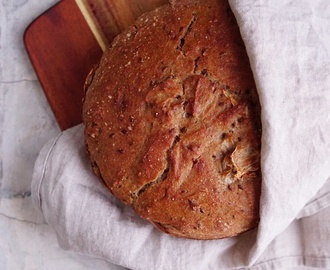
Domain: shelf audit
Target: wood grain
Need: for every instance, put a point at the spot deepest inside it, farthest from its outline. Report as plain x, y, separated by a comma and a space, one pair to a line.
107, 18
63, 48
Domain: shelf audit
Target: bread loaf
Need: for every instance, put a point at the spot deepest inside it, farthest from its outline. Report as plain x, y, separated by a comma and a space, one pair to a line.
172, 121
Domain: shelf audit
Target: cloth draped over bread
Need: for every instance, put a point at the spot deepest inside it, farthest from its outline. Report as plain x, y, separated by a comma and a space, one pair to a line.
287, 44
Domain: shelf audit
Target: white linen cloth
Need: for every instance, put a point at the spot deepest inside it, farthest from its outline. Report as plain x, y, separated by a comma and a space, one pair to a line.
288, 45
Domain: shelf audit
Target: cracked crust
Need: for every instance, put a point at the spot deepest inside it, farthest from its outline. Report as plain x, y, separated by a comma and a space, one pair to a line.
172, 121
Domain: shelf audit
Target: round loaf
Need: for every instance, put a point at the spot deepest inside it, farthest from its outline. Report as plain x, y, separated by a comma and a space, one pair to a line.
172, 121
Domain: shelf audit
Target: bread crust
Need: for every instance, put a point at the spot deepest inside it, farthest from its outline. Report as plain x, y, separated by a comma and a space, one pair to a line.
172, 121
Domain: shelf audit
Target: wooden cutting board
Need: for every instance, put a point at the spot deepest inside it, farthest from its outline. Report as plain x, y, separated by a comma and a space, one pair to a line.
68, 39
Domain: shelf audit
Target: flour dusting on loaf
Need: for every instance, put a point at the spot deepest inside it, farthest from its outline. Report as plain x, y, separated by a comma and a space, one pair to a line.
172, 121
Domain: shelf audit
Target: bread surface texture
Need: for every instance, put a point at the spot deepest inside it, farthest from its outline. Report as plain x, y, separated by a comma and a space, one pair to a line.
172, 121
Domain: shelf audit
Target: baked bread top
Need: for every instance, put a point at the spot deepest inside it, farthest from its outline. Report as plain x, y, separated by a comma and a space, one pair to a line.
172, 121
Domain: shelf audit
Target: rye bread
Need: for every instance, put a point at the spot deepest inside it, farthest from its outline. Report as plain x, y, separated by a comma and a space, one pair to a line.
172, 121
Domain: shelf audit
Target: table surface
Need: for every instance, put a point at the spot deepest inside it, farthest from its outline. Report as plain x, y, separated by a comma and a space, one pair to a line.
26, 123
